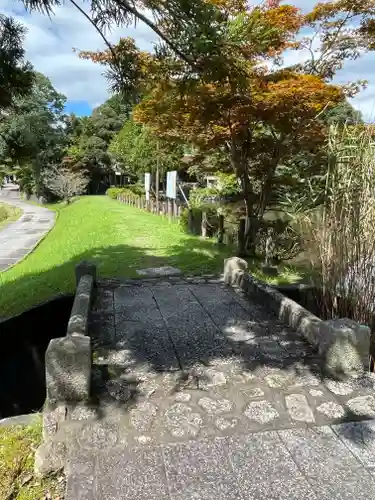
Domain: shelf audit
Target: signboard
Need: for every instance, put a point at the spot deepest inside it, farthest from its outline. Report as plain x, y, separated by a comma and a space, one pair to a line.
147, 185
172, 184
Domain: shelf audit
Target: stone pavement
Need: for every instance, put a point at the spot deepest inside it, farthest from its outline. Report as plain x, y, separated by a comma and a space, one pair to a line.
203, 394
19, 238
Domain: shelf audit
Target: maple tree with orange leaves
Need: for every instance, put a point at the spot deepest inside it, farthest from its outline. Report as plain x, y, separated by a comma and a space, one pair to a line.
215, 80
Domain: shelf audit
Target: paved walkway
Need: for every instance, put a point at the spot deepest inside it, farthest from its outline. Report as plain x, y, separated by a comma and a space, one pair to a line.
202, 394
19, 238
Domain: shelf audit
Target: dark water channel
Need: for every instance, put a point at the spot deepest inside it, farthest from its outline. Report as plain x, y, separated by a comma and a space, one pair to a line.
23, 342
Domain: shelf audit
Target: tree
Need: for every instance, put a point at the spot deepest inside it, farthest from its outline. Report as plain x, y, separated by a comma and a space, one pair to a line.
65, 183
215, 80
137, 150
16, 74
32, 134
90, 137
342, 114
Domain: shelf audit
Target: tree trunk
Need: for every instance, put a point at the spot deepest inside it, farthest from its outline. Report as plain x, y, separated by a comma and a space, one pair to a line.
251, 225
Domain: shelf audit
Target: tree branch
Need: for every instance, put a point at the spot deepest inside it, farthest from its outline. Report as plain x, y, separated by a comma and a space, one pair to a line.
156, 30
96, 28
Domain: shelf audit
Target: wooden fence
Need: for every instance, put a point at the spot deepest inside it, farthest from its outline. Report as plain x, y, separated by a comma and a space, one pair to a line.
173, 210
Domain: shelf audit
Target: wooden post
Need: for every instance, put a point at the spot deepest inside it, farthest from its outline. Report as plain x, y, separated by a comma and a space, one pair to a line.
164, 208
170, 209
190, 221
175, 208
204, 225
241, 238
220, 234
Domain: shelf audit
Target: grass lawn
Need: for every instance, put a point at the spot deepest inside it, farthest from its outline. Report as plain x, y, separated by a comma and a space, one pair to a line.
119, 238
8, 214
17, 479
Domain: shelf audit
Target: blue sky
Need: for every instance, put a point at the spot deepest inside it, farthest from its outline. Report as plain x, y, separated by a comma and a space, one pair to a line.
50, 42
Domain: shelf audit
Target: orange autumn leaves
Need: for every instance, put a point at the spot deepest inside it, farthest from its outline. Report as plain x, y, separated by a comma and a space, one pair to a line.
211, 115
216, 104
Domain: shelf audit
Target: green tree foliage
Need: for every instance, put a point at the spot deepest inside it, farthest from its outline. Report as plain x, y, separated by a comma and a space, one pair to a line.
137, 150
32, 134
215, 79
90, 137
342, 114
16, 74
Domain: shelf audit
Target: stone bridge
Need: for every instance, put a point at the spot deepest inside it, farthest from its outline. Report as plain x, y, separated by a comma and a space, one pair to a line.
201, 392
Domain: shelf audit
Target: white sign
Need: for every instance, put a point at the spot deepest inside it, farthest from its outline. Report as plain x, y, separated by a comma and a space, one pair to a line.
147, 185
172, 184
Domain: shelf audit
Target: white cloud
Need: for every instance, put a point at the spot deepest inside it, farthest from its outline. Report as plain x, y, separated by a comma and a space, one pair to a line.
50, 42
49, 45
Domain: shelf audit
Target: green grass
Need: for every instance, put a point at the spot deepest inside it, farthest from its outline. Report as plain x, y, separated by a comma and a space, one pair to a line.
17, 479
8, 214
119, 238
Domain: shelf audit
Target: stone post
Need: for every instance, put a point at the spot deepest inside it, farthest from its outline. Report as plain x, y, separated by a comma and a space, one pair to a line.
68, 368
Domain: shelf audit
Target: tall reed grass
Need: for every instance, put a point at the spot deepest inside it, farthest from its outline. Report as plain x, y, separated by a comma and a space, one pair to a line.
340, 234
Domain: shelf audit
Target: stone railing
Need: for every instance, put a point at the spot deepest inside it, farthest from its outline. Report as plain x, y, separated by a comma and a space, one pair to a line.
343, 344
68, 359
68, 371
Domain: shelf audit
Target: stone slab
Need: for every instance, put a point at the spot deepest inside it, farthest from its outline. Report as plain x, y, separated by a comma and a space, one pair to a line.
195, 336
146, 344
81, 476
319, 453
264, 468
159, 271
356, 485
200, 470
359, 437
135, 475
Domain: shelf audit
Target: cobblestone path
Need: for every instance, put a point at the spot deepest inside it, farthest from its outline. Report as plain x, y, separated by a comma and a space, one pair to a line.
202, 394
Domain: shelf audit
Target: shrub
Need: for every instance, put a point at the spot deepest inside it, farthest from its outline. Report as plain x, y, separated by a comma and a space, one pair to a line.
65, 183
287, 241
212, 221
113, 192
137, 189
131, 189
